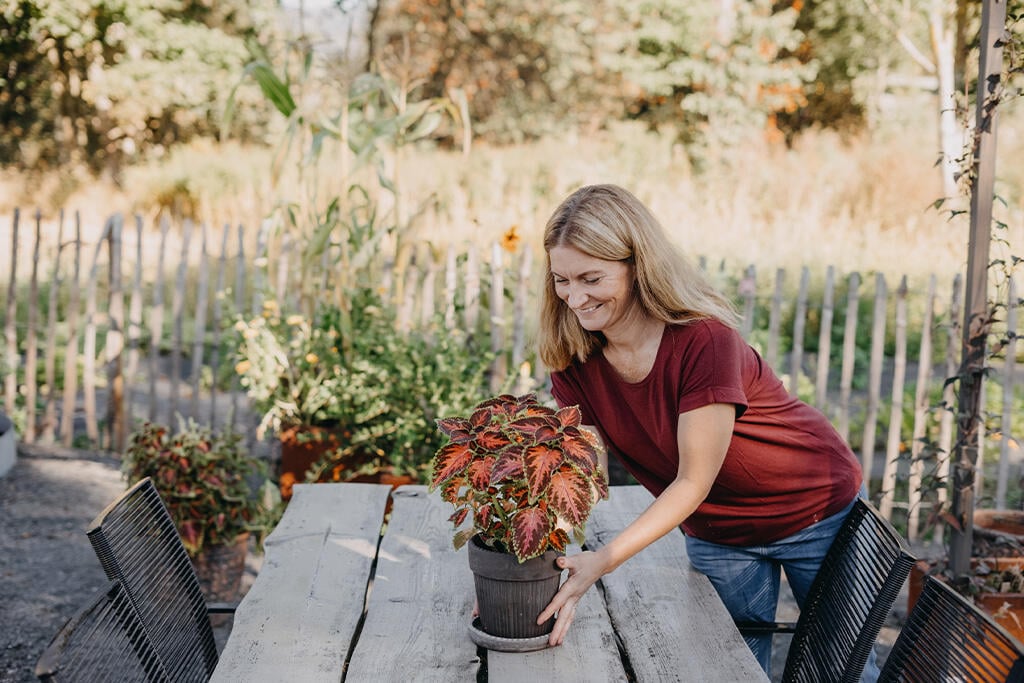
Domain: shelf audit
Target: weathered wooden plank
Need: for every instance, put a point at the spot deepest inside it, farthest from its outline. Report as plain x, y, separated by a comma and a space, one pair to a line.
949, 400
116, 428
669, 619
418, 610
499, 367
199, 331
156, 318
178, 319
299, 618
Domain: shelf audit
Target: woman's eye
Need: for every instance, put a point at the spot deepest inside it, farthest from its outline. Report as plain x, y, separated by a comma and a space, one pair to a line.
591, 281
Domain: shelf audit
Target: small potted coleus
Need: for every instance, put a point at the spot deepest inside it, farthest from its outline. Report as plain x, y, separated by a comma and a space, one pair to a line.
524, 476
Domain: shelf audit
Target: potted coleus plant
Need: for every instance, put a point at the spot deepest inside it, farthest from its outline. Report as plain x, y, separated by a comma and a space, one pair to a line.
216, 493
524, 476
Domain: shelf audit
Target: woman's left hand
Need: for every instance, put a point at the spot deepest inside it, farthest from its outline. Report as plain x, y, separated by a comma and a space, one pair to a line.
585, 569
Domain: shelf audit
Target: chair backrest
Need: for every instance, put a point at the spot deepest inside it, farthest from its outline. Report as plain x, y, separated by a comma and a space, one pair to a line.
137, 544
849, 599
105, 641
948, 638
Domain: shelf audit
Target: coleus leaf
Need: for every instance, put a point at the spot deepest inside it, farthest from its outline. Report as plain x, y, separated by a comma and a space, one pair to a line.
480, 472
530, 424
530, 529
457, 429
491, 440
462, 537
569, 416
558, 539
459, 516
450, 460
580, 451
509, 464
541, 462
570, 495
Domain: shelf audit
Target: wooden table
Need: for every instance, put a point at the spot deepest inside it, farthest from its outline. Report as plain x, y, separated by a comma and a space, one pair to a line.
335, 600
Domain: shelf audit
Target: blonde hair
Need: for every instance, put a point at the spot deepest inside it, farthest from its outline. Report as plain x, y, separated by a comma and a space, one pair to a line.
609, 223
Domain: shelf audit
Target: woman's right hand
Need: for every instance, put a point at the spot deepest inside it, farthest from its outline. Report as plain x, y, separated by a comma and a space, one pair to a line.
585, 569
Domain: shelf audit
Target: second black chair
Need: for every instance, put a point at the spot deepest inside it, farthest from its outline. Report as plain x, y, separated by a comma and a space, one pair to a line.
848, 601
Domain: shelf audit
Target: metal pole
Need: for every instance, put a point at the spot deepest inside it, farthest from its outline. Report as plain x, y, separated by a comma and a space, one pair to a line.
977, 319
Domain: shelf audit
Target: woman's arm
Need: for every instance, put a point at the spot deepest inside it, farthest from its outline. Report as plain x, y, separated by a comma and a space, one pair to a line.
703, 436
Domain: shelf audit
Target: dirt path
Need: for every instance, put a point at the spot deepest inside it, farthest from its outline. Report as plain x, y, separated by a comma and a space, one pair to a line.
47, 567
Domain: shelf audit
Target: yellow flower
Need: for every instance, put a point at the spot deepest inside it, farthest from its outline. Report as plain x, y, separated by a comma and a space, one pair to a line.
312, 358
295, 319
270, 305
510, 240
250, 334
240, 326
242, 367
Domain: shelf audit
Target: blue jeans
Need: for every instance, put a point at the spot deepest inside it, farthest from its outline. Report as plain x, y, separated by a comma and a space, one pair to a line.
747, 578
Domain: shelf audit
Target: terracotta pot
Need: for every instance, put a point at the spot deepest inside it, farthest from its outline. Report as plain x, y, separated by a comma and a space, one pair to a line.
511, 595
220, 569
302, 446
1007, 609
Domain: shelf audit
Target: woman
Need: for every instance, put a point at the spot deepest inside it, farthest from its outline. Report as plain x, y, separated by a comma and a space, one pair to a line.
634, 334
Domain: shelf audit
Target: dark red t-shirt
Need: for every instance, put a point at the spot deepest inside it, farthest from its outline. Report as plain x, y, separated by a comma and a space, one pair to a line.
786, 466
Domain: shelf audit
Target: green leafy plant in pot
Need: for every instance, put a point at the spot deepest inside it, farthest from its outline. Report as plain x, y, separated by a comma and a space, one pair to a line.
524, 476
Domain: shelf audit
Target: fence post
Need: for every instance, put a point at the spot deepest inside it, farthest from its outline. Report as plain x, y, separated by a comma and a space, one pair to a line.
32, 340
799, 323
849, 354
874, 378
49, 426
1009, 358
114, 344
825, 340
10, 319
67, 425
924, 376
157, 319
775, 320
892, 446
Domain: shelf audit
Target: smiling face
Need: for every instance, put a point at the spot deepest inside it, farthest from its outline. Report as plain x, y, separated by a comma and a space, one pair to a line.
599, 292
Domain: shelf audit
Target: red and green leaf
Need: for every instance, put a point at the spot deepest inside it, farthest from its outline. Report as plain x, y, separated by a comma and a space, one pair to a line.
530, 529
449, 461
579, 450
508, 465
479, 472
457, 429
459, 516
558, 539
569, 416
570, 495
541, 462
491, 440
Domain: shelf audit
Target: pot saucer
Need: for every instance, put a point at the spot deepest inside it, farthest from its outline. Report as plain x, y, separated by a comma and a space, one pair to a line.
486, 640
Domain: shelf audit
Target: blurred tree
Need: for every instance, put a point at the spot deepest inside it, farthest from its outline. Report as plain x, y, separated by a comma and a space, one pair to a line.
718, 71
114, 80
524, 67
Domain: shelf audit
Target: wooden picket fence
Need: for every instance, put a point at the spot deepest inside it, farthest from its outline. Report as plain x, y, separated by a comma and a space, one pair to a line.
141, 318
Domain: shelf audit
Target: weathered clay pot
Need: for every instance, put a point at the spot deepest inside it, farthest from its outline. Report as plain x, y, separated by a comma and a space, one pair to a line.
220, 569
300, 448
511, 595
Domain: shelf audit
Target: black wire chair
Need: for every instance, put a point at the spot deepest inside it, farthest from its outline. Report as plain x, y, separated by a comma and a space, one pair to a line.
948, 638
137, 544
105, 641
847, 603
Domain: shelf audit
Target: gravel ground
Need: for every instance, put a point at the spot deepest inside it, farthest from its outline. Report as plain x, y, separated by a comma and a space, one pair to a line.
48, 569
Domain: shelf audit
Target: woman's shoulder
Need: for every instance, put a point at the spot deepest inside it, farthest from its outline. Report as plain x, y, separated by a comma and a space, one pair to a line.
704, 329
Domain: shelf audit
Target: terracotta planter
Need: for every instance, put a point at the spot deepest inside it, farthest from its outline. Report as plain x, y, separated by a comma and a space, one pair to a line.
511, 595
301, 447
220, 569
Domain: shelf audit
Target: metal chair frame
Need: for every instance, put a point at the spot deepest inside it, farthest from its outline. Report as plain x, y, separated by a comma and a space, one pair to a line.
948, 638
104, 641
848, 601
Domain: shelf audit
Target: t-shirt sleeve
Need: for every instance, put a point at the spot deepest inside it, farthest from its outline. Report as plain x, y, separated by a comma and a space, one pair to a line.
713, 369
567, 392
